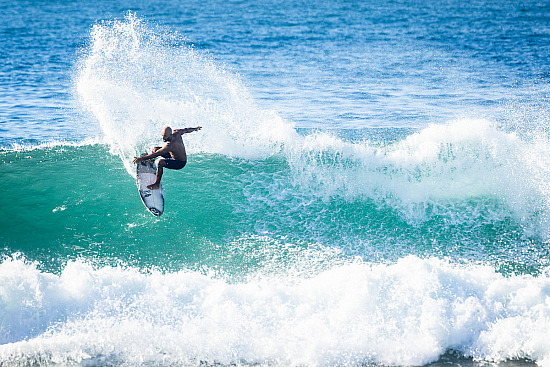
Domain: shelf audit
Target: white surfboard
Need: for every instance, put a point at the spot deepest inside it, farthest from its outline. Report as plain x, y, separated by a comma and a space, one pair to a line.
153, 199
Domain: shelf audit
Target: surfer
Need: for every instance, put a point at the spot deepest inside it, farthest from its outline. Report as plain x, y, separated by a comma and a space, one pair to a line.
173, 152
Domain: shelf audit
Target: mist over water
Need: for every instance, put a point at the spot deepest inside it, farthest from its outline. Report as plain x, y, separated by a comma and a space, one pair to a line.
280, 244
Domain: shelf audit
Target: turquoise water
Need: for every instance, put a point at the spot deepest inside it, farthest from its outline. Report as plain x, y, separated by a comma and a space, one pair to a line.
370, 186
218, 200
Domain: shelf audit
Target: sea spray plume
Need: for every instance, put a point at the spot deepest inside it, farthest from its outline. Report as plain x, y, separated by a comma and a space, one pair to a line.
136, 78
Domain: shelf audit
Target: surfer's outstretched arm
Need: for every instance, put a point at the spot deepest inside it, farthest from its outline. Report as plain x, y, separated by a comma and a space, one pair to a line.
187, 130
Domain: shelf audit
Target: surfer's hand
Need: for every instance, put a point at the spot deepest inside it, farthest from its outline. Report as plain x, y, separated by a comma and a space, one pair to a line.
136, 160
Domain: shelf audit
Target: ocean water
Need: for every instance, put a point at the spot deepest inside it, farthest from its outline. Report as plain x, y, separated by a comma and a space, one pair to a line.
371, 186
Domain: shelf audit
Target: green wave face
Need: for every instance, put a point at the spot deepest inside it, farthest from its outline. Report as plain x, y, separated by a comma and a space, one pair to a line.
246, 215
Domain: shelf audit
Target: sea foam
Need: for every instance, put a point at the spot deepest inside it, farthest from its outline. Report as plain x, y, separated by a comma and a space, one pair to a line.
491, 173
405, 313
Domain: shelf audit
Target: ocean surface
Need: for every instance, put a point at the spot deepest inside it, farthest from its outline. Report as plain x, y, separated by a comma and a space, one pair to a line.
370, 187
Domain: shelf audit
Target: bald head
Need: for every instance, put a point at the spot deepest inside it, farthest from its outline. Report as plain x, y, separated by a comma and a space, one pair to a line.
167, 133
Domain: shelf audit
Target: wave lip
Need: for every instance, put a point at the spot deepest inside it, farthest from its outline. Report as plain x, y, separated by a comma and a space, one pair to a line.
407, 313
439, 170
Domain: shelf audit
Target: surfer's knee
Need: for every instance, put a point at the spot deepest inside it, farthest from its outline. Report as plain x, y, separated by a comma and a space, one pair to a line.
161, 163
155, 149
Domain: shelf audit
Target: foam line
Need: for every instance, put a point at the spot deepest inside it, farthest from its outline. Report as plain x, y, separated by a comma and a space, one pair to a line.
29, 146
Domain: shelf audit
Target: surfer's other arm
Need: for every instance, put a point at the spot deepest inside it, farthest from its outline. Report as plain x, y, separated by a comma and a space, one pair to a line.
187, 130
156, 153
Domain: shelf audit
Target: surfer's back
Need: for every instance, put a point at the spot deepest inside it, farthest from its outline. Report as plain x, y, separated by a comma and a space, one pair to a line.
176, 146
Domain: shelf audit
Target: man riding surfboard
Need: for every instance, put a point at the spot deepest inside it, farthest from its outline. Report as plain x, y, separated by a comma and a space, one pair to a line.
173, 152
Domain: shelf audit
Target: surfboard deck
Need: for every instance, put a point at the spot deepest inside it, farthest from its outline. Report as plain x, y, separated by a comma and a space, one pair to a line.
152, 199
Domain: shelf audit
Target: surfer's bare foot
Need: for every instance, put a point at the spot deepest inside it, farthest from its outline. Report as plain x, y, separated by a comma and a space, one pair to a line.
154, 186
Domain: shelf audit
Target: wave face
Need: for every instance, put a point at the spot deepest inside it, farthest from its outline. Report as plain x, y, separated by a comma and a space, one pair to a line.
135, 79
465, 190
278, 245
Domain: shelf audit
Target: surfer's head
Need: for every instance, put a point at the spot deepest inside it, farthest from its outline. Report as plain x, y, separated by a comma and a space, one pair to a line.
167, 133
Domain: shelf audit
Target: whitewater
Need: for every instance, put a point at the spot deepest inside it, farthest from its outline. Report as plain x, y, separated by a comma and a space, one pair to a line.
282, 243
407, 313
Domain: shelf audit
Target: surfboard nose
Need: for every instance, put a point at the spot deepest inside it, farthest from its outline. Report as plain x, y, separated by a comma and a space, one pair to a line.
152, 199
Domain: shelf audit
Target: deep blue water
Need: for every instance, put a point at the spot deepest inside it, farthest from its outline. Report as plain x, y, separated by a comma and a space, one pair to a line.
371, 185
342, 64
